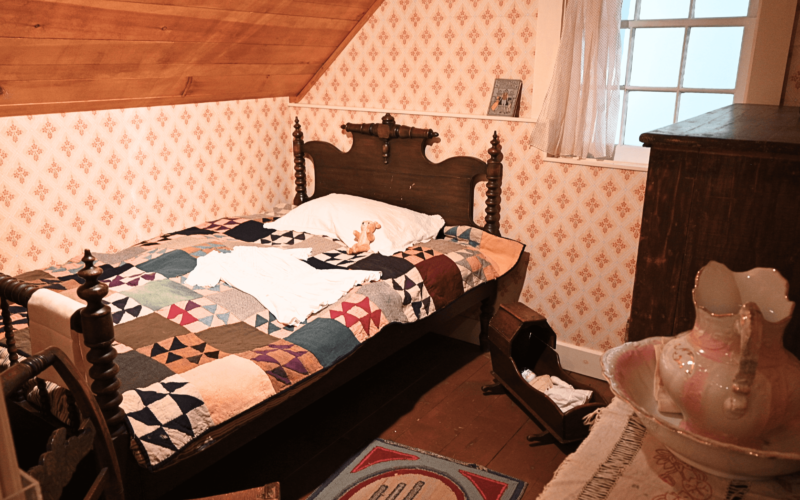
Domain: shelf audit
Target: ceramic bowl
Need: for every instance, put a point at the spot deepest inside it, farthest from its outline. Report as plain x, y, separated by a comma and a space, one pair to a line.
629, 370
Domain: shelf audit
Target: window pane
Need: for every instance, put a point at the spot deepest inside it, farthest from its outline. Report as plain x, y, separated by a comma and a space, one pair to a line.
625, 38
647, 111
721, 8
656, 57
628, 9
661, 9
695, 104
712, 60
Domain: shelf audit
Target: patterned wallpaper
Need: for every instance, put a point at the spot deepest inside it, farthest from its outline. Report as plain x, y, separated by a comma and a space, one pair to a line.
108, 179
791, 92
580, 224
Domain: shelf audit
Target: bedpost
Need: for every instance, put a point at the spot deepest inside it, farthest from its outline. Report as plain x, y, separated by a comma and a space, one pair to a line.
494, 176
19, 292
299, 164
98, 335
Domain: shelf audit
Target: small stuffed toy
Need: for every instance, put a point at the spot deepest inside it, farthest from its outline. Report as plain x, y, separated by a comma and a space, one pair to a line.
365, 237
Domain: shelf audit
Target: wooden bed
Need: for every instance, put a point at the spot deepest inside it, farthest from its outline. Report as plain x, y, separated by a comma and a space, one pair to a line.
387, 163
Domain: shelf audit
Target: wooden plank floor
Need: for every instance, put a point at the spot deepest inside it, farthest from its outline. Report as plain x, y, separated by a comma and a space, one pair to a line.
426, 396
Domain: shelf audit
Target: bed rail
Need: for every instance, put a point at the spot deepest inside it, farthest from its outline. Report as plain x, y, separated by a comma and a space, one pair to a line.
98, 335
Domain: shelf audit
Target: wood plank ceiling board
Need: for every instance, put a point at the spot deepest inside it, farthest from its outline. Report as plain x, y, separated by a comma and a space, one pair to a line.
78, 55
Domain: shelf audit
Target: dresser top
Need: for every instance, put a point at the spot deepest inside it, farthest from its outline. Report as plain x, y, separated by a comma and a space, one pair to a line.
742, 127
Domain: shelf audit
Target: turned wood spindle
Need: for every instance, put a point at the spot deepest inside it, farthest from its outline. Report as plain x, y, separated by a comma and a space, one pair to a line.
299, 164
11, 343
98, 335
494, 176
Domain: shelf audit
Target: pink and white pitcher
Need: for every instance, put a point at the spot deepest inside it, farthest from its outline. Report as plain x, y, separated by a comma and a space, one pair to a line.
730, 375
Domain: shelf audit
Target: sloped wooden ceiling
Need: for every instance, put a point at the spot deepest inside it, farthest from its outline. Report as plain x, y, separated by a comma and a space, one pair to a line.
80, 55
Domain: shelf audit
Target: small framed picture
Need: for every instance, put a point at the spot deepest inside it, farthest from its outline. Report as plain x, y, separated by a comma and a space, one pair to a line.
505, 98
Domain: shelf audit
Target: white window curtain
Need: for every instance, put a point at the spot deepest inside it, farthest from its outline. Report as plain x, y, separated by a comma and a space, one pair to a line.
580, 112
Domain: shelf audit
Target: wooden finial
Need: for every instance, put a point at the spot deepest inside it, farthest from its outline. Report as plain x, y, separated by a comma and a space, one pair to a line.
387, 119
494, 180
98, 335
299, 164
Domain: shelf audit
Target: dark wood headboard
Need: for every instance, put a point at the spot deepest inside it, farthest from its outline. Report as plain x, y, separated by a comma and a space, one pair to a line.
387, 163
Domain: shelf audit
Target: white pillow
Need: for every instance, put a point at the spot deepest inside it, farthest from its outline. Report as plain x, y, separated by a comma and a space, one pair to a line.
338, 215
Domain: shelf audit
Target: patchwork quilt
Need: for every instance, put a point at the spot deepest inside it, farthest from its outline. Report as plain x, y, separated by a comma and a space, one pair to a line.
191, 358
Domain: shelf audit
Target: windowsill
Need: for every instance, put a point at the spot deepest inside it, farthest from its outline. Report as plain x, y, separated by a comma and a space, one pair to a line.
590, 162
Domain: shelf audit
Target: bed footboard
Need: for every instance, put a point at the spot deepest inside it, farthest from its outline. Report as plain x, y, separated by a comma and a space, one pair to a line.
98, 333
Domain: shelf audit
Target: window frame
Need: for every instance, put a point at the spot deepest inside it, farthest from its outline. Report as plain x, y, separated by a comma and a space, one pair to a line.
749, 23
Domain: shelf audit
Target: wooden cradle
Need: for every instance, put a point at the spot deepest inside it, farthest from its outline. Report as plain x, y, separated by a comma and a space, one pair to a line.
386, 163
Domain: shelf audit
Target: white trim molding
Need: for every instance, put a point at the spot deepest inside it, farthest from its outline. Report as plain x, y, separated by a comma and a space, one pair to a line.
415, 113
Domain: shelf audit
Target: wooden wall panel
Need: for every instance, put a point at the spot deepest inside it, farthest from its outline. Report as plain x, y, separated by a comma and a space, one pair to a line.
73, 55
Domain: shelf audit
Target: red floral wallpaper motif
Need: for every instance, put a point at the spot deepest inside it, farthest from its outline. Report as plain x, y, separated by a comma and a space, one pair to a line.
108, 179
580, 224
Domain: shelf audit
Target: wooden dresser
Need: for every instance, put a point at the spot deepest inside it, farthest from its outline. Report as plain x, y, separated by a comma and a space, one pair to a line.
723, 186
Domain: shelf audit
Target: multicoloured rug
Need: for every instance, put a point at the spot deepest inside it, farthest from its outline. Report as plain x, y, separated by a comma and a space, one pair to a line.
389, 471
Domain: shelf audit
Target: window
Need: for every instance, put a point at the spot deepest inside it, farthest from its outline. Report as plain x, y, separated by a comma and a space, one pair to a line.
680, 59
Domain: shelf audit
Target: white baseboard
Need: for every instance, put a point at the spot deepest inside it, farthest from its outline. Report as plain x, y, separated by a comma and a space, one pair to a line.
580, 359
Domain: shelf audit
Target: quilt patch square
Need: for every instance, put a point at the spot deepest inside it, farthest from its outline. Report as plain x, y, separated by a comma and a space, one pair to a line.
266, 322
198, 314
137, 370
124, 308
284, 363
359, 314
131, 278
319, 244
464, 234
279, 238
148, 255
160, 294
148, 330
236, 338
390, 267
240, 304
417, 302
51, 283
442, 279
327, 339
416, 255
174, 263
340, 258
249, 231
181, 354
121, 256
222, 225
67, 269
165, 416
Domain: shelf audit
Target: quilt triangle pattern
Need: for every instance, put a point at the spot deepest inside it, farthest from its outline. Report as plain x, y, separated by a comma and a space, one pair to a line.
284, 363
464, 234
417, 302
181, 354
131, 278
266, 322
124, 308
279, 238
340, 258
416, 255
360, 315
165, 416
222, 225
198, 314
